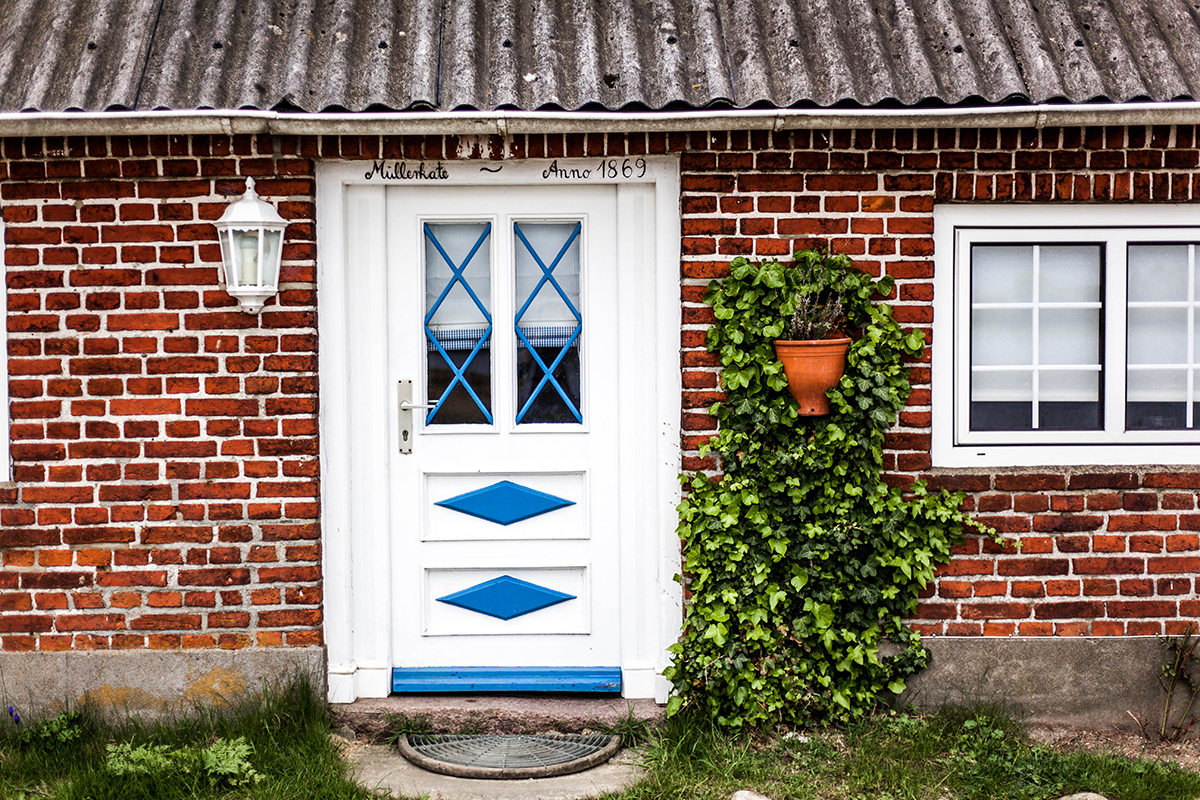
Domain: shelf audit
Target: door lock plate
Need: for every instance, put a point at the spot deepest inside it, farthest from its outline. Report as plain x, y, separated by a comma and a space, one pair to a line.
405, 415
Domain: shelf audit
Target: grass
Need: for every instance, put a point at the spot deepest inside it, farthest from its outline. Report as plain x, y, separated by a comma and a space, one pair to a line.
274, 748
952, 755
278, 748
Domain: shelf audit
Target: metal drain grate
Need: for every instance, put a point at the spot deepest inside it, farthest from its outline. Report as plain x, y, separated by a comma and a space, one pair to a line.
508, 756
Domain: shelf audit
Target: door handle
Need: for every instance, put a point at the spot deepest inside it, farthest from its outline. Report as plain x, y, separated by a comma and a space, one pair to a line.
404, 415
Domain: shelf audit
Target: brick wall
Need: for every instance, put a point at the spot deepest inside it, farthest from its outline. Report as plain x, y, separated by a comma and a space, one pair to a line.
165, 444
1103, 552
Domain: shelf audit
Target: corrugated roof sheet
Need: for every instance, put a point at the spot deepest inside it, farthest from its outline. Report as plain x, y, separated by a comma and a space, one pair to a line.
357, 55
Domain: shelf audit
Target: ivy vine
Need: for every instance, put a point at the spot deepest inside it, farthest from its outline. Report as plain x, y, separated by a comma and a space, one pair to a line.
802, 563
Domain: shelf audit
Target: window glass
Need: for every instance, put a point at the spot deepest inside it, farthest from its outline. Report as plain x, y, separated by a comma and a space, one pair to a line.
1158, 272
1161, 337
1069, 273
1001, 274
548, 324
1035, 337
458, 322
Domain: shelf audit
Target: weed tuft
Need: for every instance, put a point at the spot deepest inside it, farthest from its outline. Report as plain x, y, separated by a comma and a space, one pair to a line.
273, 746
633, 731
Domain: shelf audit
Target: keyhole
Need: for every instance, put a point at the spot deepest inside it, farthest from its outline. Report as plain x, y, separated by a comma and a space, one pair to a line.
405, 434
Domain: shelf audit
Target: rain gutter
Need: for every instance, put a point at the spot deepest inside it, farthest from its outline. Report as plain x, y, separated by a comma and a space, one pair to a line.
506, 123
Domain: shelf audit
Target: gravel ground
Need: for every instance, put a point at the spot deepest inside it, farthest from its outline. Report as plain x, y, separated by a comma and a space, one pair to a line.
1129, 743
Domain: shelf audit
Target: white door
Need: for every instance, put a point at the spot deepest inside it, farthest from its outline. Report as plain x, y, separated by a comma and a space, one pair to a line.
504, 492
521, 534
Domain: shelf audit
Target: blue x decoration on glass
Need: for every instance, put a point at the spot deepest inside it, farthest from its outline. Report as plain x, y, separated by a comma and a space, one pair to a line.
548, 324
457, 322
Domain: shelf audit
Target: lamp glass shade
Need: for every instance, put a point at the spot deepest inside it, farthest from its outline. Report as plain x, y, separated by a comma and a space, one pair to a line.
272, 242
251, 236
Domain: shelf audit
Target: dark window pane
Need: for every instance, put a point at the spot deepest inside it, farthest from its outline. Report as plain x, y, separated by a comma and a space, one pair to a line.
998, 416
1057, 416
549, 405
1156, 416
1066, 416
460, 407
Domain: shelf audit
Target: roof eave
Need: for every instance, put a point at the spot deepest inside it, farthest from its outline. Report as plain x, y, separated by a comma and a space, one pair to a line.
504, 122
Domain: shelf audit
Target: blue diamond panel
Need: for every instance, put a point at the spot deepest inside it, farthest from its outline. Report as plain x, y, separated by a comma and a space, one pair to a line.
505, 597
505, 502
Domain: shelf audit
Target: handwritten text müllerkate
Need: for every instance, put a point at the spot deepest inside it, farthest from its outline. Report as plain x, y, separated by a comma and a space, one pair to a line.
402, 171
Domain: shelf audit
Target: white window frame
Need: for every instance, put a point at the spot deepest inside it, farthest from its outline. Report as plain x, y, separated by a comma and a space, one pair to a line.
956, 228
5, 462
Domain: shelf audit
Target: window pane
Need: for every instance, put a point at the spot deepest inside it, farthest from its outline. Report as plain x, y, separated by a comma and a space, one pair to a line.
458, 322
1158, 272
1069, 336
1157, 336
1069, 400
1069, 274
549, 323
1156, 399
1002, 401
1001, 274
1015, 386
1001, 336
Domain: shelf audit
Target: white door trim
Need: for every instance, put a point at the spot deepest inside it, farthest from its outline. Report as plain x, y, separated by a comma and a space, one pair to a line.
355, 514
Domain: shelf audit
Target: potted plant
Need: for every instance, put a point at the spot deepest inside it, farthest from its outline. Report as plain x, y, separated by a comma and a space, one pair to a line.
814, 358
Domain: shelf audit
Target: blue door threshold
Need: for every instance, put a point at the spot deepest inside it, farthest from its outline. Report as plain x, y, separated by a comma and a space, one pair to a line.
506, 679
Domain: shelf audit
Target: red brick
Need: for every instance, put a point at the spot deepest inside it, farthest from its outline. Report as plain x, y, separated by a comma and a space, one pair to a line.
1172, 480
165, 622
1032, 566
25, 623
1109, 566
89, 622
56, 580
1181, 565
1142, 522
1066, 522
1141, 608
1080, 608
1182, 542
995, 610
1031, 483
214, 577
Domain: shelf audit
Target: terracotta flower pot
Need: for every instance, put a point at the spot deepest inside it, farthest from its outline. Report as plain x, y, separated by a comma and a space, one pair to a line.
812, 368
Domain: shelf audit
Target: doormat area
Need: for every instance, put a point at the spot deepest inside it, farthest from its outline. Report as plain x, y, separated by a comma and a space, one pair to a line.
508, 756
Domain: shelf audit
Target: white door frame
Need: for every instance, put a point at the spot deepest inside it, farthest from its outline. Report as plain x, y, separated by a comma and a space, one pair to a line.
355, 453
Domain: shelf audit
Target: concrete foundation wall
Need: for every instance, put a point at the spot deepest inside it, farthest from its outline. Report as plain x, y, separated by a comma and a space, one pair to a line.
1085, 681
148, 682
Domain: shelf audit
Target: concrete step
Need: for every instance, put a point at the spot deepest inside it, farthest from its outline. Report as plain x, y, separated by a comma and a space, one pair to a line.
369, 718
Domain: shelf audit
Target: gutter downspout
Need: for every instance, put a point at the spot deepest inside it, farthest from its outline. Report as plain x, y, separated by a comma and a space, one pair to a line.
505, 123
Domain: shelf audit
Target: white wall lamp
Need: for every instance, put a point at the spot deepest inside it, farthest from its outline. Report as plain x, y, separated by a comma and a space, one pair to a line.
251, 234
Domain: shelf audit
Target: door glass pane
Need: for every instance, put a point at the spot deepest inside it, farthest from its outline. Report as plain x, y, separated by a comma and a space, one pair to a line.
1158, 272
458, 322
548, 324
1001, 274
